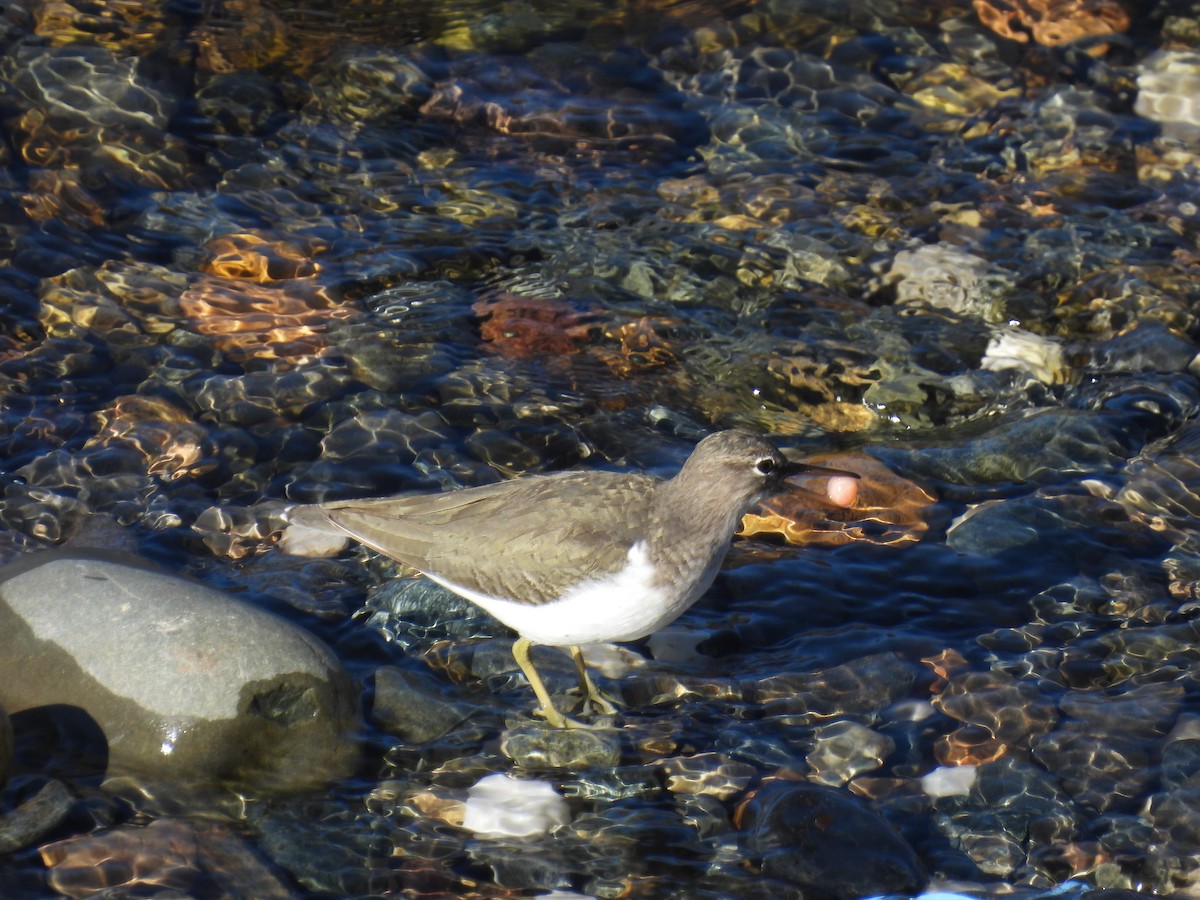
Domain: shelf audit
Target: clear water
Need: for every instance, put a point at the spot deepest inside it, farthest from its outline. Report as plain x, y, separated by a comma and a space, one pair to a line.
254, 253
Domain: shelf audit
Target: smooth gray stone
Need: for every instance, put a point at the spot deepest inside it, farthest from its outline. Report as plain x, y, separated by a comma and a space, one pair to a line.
187, 684
36, 817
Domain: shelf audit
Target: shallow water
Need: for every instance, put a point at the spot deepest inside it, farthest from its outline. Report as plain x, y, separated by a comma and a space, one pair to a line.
253, 252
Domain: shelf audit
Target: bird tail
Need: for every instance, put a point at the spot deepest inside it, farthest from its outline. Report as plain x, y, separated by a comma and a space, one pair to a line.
310, 533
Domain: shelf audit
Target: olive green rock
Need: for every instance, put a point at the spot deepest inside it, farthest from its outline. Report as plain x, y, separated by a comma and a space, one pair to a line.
6, 747
186, 684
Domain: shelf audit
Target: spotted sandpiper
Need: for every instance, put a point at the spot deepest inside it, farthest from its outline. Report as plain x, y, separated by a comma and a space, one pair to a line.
569, 558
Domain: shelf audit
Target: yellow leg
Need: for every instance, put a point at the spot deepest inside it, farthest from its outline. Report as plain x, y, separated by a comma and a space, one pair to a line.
591, 694
520, 652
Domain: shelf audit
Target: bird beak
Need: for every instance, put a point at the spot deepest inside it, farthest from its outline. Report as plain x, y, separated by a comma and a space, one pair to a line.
798, 468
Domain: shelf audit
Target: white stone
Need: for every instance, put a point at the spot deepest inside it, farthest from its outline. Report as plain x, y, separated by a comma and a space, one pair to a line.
949, 781
501, 806
1014, 348
1169, 92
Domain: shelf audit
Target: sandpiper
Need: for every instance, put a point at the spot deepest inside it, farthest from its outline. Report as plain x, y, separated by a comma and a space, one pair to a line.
569, 558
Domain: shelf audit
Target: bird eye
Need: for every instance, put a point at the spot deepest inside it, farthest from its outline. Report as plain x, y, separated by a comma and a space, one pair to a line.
764, 466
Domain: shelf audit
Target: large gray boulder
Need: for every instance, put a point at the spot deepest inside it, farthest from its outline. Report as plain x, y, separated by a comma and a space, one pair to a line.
185, 683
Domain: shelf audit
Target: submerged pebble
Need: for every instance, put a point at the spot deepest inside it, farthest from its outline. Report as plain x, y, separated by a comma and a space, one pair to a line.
819, 838
36, 817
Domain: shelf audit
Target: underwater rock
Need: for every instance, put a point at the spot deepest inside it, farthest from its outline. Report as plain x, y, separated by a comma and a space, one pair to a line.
6, 746
1167, 85
36, 817
409, 705
829, 841
944, 277
172, 854
175, 681
539, 746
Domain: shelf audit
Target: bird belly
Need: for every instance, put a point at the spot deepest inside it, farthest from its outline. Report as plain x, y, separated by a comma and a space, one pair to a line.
624, 606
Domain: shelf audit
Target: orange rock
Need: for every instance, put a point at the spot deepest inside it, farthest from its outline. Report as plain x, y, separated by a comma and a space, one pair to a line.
168, 853
971, 745
1053, 22
249, 321
250, 257
531, 327
888, 509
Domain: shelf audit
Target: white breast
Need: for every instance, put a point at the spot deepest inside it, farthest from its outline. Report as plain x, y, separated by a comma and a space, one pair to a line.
623, 607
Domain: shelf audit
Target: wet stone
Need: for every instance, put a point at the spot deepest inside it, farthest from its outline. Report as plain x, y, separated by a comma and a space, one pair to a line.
414, 707
1019, 799
970, 745
175, 681
384, 433
1176, 816
1114, 659
502, 806
1104, 749
708, 815
537, 746
1146, 711
1103, 777
995, 527
618, 783
1162, 486
1181, 764
1013, 711
1167, 83
616, 837
827, 841
258, 397
82, 98
944, 277
862, 686
1022, 448
1149, 347
844, 749
166, 854
6, 746
359, 85
515, 868
1015, 349
36, 817
240, 103
995, 854
323, 849
707, 774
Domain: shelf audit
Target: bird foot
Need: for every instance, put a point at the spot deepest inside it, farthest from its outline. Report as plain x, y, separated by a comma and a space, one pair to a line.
599, 703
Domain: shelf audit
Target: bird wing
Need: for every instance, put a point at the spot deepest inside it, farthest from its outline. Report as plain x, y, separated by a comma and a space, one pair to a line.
520, 540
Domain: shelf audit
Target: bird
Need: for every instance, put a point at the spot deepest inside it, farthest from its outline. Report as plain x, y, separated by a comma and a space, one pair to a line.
568, 558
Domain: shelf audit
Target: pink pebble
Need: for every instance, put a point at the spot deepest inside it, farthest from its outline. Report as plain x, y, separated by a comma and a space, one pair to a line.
841, 490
